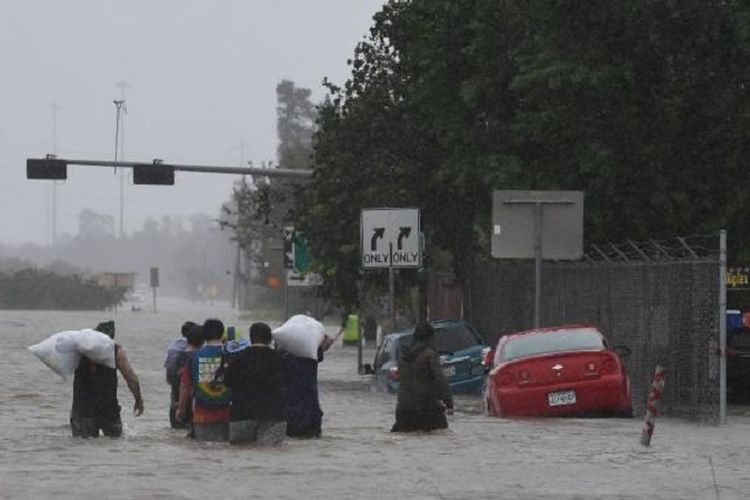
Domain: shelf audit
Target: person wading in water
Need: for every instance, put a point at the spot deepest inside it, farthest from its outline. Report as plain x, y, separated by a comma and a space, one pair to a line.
95, 405
424, 395
210, 399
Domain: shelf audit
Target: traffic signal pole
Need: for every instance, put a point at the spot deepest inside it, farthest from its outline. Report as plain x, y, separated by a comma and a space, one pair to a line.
209, 169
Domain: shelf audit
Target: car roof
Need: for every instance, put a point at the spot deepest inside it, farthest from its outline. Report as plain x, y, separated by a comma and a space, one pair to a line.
441, 323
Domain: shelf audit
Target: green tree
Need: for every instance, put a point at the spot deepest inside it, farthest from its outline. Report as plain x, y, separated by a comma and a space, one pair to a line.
93, 225
259, 210
643, 105
295, 125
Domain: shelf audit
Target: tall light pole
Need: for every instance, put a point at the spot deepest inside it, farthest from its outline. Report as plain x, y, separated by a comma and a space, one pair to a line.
120, 105
122, 110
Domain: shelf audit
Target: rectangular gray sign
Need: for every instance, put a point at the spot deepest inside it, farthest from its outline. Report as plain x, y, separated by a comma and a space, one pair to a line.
513, 224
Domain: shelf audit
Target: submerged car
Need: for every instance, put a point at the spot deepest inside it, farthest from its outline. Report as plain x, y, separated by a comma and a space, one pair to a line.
559, 371
461, 348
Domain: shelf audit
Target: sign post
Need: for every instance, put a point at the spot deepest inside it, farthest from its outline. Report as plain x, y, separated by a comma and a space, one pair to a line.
154, 281
390, 239
538, 225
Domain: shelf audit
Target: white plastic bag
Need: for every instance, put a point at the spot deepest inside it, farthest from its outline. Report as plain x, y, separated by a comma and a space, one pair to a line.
301, 336
96, 346
62, 351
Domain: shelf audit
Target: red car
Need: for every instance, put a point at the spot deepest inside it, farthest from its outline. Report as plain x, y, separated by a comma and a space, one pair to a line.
560, 371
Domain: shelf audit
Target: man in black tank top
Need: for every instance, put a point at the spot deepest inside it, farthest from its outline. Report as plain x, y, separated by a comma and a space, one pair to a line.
95, 405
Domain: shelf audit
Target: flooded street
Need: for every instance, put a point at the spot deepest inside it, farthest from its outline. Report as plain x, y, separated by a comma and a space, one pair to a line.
357, 457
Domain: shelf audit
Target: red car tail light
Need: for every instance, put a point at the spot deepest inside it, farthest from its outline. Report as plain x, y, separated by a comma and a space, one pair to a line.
393, 373
506, 378
609, 365
487, 355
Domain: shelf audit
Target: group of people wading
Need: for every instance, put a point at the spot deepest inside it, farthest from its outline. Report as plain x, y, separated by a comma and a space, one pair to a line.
229, 389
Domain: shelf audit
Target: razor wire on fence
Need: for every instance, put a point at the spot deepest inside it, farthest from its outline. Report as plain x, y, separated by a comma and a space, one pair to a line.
659, 298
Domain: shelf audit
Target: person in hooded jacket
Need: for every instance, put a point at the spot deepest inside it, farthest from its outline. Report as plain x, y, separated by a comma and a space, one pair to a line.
424, 395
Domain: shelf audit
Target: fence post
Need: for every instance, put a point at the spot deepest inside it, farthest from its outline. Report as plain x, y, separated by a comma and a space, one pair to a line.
652, 407
722, 327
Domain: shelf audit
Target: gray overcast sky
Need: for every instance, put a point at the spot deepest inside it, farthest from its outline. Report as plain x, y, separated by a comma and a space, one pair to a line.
202, 73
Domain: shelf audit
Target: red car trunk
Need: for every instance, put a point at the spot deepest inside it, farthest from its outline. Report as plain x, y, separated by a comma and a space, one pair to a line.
555, 369
560, 384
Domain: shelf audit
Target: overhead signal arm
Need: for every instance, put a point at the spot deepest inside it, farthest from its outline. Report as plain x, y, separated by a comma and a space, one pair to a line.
155, 172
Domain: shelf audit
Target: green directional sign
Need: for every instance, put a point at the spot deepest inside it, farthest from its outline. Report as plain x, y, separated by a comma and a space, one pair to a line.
302, 256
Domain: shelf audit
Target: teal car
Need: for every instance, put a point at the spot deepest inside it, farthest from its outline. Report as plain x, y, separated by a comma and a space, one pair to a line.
462, 351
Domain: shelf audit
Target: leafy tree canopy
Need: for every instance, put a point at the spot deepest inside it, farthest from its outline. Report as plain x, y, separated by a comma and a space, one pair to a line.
643, 105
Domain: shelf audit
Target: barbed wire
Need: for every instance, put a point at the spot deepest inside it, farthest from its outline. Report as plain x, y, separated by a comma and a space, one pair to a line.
692, 247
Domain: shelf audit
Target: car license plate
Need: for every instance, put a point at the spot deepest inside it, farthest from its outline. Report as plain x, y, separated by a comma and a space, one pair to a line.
561, 398
449, 371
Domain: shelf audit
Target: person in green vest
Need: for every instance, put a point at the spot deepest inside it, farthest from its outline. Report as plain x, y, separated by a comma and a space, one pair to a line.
350, 327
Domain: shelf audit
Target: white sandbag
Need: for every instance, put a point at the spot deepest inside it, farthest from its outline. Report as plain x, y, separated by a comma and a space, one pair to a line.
62, 351
62, 359
301, 336
96, 346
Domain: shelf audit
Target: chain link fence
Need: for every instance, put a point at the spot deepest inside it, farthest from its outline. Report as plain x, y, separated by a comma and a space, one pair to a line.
659, 298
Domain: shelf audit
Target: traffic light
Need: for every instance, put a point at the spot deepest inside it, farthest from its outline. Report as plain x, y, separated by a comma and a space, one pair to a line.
47, 168
288, 238
158, 174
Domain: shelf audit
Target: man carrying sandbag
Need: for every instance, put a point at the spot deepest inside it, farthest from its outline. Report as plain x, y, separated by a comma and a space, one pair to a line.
95, 405
303, 342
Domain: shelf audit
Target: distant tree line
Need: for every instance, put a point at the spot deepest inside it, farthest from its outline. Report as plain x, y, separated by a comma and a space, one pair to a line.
192, 252
644, 105
43, 289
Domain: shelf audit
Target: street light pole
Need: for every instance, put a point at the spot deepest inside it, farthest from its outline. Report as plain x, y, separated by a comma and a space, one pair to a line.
120, 105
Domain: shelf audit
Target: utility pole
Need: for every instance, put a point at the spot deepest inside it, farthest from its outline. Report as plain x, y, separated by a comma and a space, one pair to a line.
120, 105
122, 110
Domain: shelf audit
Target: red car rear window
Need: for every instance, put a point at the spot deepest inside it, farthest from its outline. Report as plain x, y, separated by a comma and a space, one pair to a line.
550, 342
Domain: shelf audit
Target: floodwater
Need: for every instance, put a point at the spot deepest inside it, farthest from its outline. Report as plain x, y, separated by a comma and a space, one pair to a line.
357, 457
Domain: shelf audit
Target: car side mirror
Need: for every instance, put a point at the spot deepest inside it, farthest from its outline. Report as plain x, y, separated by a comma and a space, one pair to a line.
622, 350
366, 369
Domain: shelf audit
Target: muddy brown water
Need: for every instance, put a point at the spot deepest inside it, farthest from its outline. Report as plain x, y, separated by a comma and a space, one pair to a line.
357, 457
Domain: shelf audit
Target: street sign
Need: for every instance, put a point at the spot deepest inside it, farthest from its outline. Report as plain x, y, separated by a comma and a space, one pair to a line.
295, 278
119, 280
390, 238
558, 214
154, 277
538, 225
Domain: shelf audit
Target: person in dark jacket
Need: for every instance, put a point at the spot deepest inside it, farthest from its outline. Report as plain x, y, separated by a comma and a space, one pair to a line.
424, 395
304, 417
257, 379
95, 406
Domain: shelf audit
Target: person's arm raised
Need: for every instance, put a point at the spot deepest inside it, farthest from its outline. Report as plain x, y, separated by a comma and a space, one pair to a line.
122, 363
